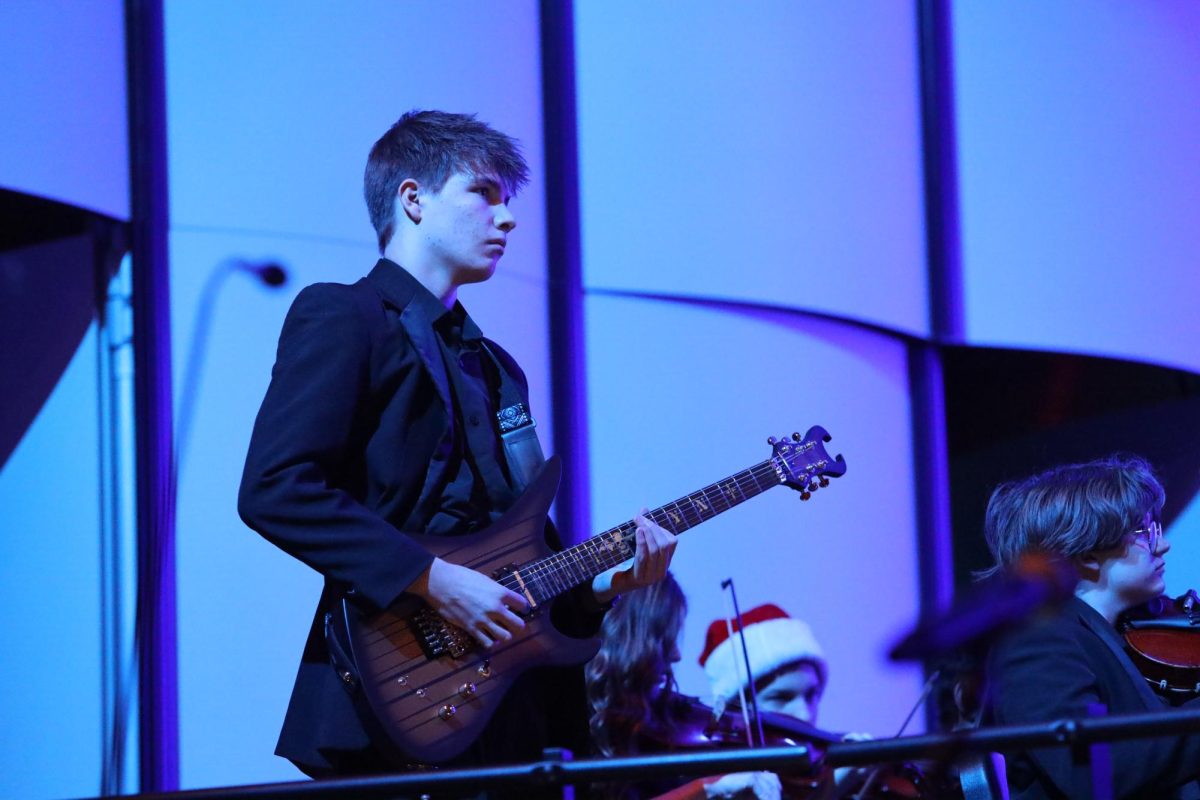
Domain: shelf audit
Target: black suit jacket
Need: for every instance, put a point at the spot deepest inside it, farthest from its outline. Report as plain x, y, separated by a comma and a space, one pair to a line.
1055, 668
349, 451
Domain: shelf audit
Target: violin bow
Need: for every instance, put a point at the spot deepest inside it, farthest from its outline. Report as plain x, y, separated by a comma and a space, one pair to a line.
749, 681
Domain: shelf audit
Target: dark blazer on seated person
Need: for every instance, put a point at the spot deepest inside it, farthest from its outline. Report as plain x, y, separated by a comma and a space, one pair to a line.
1057, 667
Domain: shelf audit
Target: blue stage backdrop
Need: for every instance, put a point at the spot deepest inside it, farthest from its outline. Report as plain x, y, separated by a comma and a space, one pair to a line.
1080, 176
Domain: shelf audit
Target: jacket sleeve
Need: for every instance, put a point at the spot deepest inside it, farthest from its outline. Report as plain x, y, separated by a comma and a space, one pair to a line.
307, 437
1043, 673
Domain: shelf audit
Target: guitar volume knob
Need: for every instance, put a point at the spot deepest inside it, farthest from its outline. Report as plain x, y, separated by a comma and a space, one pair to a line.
446, 712
467, 691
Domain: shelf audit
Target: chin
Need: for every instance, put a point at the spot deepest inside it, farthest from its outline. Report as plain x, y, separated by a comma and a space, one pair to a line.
477, 274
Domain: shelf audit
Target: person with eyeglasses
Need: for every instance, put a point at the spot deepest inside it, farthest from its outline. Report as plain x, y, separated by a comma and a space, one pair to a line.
1103, 517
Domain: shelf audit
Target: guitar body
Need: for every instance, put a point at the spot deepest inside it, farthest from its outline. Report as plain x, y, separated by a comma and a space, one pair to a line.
431, 688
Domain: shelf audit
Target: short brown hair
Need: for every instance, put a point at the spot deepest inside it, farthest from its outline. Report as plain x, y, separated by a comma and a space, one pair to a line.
430, 146
1071, 510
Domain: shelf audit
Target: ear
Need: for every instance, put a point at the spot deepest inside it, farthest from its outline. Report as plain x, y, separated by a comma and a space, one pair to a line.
1088, 566
408, 199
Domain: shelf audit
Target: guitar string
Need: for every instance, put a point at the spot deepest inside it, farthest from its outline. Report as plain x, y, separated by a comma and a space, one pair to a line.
550, 570
552, 566
619, 551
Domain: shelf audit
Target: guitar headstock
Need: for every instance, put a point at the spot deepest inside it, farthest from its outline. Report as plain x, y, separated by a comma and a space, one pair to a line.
802, 463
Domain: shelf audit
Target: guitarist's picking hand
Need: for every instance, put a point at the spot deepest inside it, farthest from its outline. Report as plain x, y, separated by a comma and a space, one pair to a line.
472, 601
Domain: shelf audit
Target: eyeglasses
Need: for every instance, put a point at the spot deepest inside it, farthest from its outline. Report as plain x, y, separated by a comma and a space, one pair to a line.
1151, 536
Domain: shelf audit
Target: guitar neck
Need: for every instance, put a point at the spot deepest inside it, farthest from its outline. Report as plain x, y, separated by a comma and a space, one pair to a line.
551, 576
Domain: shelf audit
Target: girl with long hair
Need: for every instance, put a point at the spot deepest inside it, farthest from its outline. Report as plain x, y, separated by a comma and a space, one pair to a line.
631, 690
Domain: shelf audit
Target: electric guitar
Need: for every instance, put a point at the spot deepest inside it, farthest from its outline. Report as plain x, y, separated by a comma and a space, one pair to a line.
432, 689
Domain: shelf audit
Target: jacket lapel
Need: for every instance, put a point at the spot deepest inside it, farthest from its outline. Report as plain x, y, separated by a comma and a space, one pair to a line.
398, 289
1099, 626
423, 339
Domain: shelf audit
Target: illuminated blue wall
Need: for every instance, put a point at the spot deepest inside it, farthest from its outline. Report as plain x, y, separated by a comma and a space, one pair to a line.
63, 137
1080, 176
63, 95
50, 586
773, 159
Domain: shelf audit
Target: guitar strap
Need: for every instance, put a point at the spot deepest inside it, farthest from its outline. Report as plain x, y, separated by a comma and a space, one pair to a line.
518, 430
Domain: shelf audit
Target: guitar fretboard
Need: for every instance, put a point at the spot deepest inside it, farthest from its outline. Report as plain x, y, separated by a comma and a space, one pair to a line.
549, 577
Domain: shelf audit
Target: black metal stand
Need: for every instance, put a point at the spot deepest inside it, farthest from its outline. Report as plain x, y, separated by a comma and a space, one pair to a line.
1080, 734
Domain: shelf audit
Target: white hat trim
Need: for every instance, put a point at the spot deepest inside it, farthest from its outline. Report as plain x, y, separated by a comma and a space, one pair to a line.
771, 644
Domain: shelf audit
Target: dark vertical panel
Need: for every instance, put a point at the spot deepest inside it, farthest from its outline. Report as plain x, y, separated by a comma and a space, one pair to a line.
157, 689
940, 163
930, 468
567, 354
931, 477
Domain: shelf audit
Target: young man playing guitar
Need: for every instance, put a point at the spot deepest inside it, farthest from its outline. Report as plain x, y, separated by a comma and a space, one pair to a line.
382, 420
1102, 518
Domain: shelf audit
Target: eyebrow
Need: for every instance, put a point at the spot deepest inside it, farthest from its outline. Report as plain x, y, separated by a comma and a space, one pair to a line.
493, 183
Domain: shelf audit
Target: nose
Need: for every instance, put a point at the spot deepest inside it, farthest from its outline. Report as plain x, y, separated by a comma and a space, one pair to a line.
504, 218
1164, 545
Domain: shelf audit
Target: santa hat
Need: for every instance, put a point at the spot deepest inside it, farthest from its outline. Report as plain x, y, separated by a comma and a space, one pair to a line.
773, 640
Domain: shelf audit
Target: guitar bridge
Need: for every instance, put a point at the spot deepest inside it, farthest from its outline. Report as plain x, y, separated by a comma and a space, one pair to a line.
439, 638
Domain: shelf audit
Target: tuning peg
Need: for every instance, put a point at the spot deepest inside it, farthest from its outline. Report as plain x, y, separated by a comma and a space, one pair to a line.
824, 481
771, 440
812, 487
784, 437
795, 437
805, 494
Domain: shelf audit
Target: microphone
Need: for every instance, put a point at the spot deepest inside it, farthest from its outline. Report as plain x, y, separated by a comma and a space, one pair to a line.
1034, 584
269, 273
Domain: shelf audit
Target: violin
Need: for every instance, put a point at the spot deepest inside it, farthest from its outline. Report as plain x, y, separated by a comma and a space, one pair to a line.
1162, 638
697, 726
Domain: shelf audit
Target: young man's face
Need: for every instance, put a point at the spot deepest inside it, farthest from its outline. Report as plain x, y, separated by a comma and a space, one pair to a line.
795, 691
1133, 574
465, 226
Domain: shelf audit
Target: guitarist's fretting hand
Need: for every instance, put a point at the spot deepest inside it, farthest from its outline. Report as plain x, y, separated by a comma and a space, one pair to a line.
653, 548
472, 601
